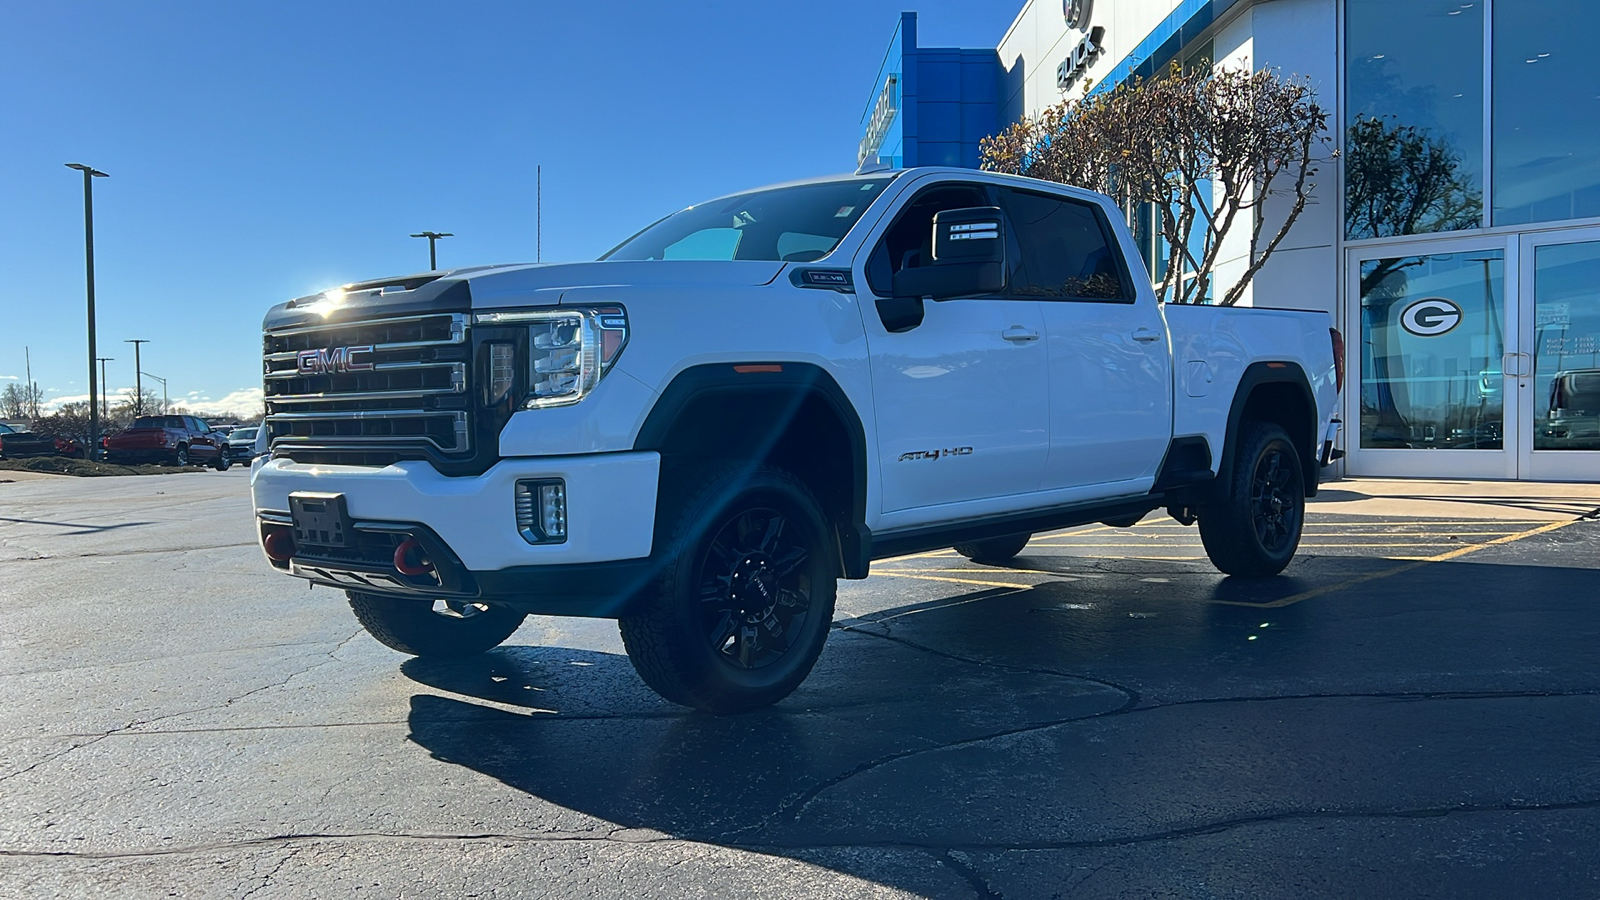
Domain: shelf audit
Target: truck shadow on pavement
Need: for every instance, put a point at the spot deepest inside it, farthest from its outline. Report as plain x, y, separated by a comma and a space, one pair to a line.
1096, 720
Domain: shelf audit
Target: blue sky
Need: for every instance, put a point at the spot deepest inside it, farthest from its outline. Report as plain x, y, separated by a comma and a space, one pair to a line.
260, 151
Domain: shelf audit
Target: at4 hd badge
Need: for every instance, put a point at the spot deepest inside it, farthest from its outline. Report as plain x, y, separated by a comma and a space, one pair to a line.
935, 454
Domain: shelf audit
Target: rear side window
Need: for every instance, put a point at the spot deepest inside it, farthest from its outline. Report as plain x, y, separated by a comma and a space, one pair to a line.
1062, 250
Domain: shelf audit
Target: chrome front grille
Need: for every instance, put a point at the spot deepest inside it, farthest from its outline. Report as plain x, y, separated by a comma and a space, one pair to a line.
381, 385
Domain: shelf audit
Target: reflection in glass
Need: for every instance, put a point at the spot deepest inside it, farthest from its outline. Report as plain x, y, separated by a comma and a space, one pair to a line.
1546, 111
1413, 153
1566, 341
1431, 345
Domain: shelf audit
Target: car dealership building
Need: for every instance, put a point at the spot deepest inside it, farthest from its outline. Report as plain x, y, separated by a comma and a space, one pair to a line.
1454, 235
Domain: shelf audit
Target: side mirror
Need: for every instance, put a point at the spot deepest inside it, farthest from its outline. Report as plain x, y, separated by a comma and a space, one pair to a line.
969, 257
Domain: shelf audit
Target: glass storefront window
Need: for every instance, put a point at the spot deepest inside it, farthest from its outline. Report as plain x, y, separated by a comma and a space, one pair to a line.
1546, 135
1566, 341
1431, 348
1413, 152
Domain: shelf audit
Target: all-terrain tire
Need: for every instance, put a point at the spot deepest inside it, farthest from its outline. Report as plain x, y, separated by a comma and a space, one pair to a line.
180, 456
411, 626
1255, 531
222, 462
995, 550
744, 600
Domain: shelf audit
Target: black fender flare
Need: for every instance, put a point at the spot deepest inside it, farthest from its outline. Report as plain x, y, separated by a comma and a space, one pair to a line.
1271, 372
758, 378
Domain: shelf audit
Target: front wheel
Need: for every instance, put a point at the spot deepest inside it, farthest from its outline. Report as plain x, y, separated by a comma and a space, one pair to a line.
1256, 530
416, 627
222, 461
740, 612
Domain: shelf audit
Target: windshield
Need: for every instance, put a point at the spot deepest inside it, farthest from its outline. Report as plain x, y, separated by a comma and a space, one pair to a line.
243, 434
157, 422
789, 224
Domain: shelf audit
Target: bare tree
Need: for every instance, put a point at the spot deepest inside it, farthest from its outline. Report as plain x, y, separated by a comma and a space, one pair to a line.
1205, 149
14, 403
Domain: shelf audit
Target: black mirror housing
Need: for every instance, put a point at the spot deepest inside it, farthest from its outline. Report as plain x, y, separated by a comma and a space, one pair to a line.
969, 257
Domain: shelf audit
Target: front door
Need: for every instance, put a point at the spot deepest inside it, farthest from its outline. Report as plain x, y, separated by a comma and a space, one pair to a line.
961, 400
1435, 360
1559, 368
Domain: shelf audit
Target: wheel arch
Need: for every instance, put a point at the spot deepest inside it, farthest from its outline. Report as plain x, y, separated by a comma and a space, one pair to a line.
788, 414
1276, 392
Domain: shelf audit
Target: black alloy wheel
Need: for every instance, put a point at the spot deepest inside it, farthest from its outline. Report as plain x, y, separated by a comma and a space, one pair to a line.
742, 605
754, 590
1255, 529
1275, 505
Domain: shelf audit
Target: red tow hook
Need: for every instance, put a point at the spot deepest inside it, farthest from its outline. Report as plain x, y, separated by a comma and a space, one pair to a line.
278, 542
409, 559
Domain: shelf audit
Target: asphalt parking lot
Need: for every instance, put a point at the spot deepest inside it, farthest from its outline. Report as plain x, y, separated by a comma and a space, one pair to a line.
1412, 710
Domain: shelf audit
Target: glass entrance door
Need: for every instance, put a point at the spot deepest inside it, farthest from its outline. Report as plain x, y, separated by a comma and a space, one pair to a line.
1559, 372
1432, 397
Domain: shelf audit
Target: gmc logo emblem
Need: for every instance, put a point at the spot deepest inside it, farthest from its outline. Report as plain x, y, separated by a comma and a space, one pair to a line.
333, 360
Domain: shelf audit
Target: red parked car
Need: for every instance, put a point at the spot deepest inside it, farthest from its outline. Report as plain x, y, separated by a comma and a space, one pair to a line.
177, 440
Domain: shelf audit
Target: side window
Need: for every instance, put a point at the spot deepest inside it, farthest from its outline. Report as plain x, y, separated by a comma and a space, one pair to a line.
1062, 250
908, 244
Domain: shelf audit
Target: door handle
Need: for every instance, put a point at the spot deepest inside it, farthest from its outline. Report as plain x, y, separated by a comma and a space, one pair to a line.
1016, 334
1145, 335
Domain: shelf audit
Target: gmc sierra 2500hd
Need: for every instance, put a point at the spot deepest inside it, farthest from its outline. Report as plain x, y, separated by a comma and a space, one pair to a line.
699, 433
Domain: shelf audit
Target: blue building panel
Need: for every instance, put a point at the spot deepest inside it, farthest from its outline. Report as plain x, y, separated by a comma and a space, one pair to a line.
948, 100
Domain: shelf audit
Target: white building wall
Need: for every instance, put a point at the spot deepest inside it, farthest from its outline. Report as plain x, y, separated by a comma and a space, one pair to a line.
1297, 37
1038, 40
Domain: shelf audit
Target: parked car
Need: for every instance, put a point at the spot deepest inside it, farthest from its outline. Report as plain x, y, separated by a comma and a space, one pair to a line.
242, 444
175, 440
1573, 420
19, 442
840, 371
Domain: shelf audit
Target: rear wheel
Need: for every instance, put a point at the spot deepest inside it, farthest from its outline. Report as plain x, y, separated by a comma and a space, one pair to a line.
740, 612
440, 630
180, 456
1256, 531
995, 550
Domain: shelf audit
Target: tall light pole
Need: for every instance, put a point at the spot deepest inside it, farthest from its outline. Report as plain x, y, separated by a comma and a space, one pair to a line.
164, 404
89, 174
138, 386
433, 237
105, 406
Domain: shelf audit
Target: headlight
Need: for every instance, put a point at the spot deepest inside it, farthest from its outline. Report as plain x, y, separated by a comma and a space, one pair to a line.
569, 350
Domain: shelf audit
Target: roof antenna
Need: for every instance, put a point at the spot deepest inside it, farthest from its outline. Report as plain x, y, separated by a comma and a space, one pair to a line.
873, 164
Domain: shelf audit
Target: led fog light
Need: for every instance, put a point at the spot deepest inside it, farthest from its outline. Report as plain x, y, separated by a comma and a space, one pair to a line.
542, 511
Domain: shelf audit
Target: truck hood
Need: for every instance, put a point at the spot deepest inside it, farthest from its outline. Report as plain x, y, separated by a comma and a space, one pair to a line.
498, 287
543, 285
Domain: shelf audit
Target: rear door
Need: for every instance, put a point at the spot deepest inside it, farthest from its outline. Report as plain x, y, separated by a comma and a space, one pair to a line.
1110, 365
960, 401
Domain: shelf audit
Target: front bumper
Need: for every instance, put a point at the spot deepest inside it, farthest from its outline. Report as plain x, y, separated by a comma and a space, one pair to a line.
468, 527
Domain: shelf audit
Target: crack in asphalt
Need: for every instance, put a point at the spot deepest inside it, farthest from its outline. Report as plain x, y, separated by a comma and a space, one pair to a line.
969, 874
41, 557
633, 836
131, 727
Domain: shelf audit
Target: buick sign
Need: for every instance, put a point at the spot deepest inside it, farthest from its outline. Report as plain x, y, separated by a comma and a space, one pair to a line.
1077, 12
1431, 317
333, 360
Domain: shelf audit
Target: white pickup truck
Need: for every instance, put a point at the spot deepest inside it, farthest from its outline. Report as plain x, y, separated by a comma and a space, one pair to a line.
701, 432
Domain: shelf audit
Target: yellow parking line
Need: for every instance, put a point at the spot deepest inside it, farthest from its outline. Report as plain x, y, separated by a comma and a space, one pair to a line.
1398, 570
972, 581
